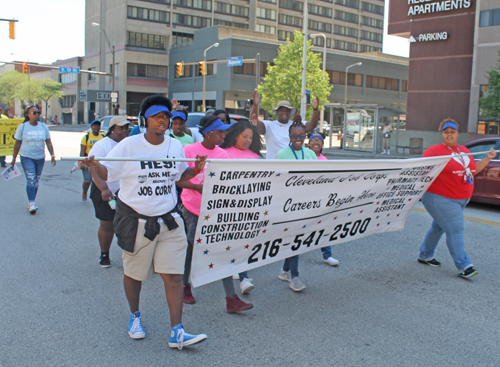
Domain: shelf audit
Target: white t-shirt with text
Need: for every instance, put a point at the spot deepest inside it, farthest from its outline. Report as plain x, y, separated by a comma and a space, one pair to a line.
148, 187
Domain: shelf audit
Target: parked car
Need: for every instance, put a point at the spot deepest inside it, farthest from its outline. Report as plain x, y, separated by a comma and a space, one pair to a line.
195, 117
486, 182
105, 123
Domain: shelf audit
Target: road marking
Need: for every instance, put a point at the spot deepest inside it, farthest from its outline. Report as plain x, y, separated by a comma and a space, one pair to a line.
472, 219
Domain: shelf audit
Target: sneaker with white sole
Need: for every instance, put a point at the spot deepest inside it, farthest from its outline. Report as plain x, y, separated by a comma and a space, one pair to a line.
467, 273
246, 285
285, 275
32, 207
135, 329
331, 261
179, 338
297, 285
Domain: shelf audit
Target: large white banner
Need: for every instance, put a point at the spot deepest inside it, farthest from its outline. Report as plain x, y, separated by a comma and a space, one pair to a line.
257, 212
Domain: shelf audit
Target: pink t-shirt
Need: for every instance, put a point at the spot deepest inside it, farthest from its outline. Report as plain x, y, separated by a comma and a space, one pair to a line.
235, 153
321, 157
191, 199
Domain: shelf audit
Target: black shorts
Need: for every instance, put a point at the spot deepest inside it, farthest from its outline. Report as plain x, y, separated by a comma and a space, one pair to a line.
102, 209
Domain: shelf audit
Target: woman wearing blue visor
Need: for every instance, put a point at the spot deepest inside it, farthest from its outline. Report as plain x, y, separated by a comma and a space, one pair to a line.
446, 198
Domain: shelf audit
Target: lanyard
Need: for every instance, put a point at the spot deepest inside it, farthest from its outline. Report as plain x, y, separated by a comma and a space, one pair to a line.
468, 176
295, 154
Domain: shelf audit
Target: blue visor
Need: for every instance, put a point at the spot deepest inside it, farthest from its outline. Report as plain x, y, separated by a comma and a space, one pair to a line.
95, 122
156, 109
316, 136
180, 114
216, 125
450, 124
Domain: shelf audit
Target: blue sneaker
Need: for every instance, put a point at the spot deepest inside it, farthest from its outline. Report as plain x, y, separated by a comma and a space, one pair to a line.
135, 329
179, 338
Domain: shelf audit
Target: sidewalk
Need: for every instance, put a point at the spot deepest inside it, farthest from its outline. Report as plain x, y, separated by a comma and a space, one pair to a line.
69, 128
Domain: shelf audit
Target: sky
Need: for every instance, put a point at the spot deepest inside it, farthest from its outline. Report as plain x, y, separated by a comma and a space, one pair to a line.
49, 30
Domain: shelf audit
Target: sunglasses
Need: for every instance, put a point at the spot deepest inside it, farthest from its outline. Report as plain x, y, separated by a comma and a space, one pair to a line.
301, 136
35, 112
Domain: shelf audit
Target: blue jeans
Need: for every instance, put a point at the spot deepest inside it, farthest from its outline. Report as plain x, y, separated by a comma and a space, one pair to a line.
448, 217
292, 264
33, 170
327, 252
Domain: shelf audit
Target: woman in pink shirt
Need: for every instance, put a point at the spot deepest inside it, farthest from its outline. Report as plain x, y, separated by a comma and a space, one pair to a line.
213, 131
243, 141
316, 142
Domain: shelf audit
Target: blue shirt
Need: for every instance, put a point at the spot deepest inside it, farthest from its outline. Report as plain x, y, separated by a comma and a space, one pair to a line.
32, 139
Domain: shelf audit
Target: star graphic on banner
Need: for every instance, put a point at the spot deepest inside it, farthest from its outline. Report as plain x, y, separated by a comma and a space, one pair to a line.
212, 174
378, 202
205, 252
278, 174
264, 231
422, 186
304, 227
349, 214
361, 211
198, 240
228, 248
247, 247
207, 217
388, 214
233, 261
286, 229
377, 216
378, 224
211, 266
335, 218
409, 199
319, 222
397, 215
266, 213
388, 223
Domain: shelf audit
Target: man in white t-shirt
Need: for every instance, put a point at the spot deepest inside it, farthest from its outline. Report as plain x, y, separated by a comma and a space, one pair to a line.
147, 223
276, 132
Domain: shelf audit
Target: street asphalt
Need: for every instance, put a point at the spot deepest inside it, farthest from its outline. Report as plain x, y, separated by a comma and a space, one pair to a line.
379, 307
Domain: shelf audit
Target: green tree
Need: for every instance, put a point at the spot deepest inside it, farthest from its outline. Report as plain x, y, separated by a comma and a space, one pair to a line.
35, 90
284, 79
9, 83
490, 102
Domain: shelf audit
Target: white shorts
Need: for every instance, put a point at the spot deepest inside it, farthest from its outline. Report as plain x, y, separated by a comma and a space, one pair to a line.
165, 255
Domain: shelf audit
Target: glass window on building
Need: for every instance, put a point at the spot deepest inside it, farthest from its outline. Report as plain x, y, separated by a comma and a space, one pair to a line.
147, 71
69, 78
320, 10
145, 40
230, 24
292, 5
269, 1
350, 3
265, 29
289, 20
338, 77
285, 35
245, 69
381, 82
372, 8
91, 76
195, 4
345, 31
182, 39
266, 13
489, 18
346, 17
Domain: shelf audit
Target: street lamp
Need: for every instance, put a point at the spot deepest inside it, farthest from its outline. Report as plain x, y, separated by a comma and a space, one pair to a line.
216, 44
111, 109
345, 98
322, 112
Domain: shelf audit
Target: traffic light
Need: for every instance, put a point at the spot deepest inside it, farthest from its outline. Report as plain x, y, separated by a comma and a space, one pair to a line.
12, 30
178, 68
25, 68
203, 67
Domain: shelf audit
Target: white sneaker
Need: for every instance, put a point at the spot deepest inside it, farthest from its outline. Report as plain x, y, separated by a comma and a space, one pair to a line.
331, 261
383, 152
32, 207
236, 277
297, 285
388, 152
246, 285
285, 275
